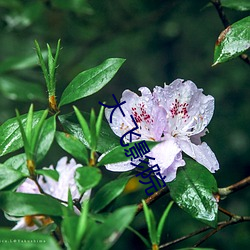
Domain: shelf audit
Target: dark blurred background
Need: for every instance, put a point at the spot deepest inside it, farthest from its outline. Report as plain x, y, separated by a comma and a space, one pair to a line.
161, 41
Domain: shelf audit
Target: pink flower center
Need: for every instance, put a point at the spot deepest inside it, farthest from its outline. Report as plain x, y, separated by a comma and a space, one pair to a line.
140, 114
179, 109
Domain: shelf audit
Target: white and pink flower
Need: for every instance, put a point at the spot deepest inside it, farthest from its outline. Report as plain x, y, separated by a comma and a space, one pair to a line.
175, 115
58, 189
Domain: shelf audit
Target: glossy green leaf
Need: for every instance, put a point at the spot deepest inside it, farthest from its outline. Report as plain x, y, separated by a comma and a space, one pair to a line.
9, 175
46, 138
90, 81
193, 191
233, 41
10, 136
106, 234
241, 5
107, 138
117, 154
20, 204
73, 146
19, 90
87, 177
16, 240
108, 193
18, 162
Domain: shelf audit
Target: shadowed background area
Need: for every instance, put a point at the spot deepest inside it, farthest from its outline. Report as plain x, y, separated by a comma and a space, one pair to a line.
161, 41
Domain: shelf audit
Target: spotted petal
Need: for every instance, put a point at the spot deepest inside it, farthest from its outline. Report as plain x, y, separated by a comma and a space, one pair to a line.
189, 110
150, 118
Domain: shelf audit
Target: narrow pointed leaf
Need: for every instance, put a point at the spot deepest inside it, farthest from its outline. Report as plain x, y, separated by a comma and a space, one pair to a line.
162, 221
84, 125
90, 81
46, 138
107, 138
10, 136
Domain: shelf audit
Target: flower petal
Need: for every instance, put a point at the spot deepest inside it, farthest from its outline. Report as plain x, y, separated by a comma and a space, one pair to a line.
189, 110
201, 153
29, 187
168, 156
151, 118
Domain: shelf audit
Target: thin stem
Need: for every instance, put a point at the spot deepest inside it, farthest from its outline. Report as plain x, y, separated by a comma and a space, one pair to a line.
235, 220
152, 198
204, 229
226, 23
223, 192
224, 211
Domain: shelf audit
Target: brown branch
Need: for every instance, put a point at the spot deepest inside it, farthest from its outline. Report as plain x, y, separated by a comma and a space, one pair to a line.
235, 220
224, 192
152, 198
226, 23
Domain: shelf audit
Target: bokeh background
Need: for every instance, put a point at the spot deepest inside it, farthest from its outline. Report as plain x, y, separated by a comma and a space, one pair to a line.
161, 41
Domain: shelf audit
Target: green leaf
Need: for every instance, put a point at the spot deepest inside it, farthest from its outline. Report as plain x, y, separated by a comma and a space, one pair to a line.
241, 5
151, 223
19, 90
108, 193
74, 228
46, 137
117, 154
233, 41
162, 221
92, 126
84, 125
16, 240
105, 235
107, 139
90, 81
193, 191
87, 177
20, 204
73, 146
18, 162
10, 136
53, 174
8, 176
69, 230
99, 122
